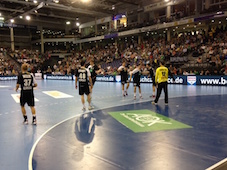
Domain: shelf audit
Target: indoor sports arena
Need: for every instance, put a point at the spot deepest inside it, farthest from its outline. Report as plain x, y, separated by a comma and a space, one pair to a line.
113, 85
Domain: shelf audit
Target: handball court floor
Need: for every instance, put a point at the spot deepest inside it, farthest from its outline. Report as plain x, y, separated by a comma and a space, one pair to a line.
119, 134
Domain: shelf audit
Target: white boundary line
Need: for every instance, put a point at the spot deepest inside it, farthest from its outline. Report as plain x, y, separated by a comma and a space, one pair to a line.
30, 167
217, 164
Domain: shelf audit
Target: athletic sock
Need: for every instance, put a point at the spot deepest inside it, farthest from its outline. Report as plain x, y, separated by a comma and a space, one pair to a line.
134, 94
140, 95
25, 117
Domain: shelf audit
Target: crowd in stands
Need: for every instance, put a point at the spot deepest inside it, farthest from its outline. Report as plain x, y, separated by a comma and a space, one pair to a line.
206, 51
7, 66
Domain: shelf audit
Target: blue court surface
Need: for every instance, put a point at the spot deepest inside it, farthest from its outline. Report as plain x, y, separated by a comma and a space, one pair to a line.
120, 133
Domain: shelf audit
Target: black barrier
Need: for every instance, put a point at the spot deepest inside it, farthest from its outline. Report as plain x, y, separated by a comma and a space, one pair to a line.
58, 77
6, 78
184, 80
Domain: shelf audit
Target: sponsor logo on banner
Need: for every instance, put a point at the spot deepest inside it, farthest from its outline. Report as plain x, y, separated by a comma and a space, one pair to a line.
191, 80
118, 78
178, 80
4, 78
105, 78
212, 80
38, 76
145, 80
58, 77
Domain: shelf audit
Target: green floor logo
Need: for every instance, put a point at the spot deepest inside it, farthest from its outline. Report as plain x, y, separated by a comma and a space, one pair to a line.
146, 121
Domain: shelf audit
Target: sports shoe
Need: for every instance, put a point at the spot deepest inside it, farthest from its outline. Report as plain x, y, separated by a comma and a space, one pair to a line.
123, 95
90, 107
25, 122
84, 109
154, 103
126, 93
141, 97
34, 122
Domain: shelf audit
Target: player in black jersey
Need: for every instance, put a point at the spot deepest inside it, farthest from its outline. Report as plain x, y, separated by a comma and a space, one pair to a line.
152, 75
136, 79
27, 81
93, 70
124, 77
83, 75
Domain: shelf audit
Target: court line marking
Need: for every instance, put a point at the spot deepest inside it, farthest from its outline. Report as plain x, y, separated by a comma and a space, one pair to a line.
57, 94
217, 164
16, 98
30, 167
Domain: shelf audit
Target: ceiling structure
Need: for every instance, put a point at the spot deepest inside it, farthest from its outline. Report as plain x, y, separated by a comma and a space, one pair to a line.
54, 13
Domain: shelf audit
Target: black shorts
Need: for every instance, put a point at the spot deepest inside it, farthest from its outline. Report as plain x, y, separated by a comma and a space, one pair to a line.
84, 89
136, 84
153, 81
93, 81
27, 98
124, 82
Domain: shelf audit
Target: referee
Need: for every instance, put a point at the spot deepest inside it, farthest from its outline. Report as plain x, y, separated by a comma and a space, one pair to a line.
161, 79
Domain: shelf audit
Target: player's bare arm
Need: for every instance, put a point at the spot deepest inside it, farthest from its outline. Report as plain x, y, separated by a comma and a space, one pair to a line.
90, 80
76, 82
17, 86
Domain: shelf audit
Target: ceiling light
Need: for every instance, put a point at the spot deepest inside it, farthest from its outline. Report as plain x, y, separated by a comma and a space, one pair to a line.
2, 18
35, 1
77, 24
212, 20
26, 0
68, 22
36, 11
28, 17
166, 0
12, 20
0, 14
56, 1
85, 1
113, 7
21, 17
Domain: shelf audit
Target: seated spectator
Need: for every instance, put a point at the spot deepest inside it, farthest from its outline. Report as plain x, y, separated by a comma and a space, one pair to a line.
199, 60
